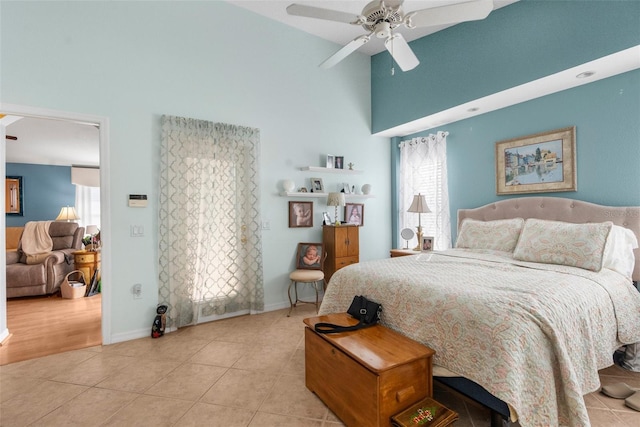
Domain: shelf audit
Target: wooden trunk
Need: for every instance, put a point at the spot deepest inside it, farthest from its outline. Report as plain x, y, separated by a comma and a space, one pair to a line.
366, 376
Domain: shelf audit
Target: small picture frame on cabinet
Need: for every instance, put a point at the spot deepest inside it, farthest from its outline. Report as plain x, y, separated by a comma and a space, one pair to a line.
326, 218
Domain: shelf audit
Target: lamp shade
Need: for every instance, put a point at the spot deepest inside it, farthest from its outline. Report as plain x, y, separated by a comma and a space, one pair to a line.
92, 230
335, 199
68, 214
419, 204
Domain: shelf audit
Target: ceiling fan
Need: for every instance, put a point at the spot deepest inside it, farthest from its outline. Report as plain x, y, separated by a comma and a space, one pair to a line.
381, 17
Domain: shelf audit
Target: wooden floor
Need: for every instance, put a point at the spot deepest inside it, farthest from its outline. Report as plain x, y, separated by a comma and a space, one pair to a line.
40, 326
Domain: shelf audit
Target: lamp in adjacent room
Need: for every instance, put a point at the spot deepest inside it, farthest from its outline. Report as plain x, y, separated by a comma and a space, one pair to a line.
93, 242
68, 214
419, 206
336, 199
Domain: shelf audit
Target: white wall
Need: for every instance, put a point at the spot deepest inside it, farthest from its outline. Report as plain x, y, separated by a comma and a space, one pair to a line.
131, 62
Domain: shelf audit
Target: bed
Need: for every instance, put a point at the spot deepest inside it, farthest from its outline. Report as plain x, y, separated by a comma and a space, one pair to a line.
534, 300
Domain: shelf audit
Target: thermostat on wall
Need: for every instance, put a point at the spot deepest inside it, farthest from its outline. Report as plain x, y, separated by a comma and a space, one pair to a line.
137, 200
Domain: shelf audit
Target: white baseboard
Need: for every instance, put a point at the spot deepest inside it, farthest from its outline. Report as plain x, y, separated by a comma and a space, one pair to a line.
144, 333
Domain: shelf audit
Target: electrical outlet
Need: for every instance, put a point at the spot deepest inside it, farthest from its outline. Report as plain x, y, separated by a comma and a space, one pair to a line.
136, 290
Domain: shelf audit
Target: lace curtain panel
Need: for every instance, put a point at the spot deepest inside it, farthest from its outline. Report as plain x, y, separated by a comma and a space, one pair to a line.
210, 245
423, 169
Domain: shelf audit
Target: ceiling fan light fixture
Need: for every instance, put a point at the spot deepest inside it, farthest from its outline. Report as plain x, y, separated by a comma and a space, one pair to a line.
383, 30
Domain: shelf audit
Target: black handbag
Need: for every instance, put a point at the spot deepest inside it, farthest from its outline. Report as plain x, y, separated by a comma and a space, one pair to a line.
366, 311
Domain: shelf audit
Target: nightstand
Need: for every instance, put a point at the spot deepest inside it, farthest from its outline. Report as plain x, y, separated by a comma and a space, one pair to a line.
402, 252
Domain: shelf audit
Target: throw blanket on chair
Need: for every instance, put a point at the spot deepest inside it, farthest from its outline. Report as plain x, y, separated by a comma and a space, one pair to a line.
36, 241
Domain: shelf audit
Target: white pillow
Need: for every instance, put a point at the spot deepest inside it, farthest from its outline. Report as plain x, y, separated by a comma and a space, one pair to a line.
498, 235
556, 242
618, 252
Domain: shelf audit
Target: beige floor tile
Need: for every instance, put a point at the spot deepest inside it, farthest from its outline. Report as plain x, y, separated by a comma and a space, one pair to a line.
215, 416
12, 386
92, 407
49, 366
27, 407
263, 419
176, 347
150, 411
141, 347
289, 396
220, 353
139, 376
188, 381
296, 364
269, 358
241, 389
630, 419
96, 369
599, 417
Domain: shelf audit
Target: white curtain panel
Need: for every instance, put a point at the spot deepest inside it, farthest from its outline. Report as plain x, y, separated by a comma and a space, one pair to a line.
423, 169
210, 246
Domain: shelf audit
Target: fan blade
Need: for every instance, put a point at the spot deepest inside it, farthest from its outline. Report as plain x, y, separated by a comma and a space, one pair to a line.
401, 52
346, 50
452, 14
320, 13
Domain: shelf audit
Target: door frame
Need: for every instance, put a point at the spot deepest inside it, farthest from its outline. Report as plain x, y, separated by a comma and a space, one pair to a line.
102, 123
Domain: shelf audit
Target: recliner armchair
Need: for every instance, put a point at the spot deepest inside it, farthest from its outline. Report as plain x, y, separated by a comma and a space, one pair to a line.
45, 275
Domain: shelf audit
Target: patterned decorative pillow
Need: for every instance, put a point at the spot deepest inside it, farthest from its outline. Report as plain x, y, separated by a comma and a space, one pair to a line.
556, 242
498, 235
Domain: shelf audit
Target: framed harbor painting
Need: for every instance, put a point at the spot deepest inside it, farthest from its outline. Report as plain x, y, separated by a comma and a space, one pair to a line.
540, 163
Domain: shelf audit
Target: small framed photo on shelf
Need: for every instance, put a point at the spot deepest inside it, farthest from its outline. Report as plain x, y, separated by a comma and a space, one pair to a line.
339, 162
326, 218
345, 188
354, 213
427, 243
316, 185
300, 214
330, 161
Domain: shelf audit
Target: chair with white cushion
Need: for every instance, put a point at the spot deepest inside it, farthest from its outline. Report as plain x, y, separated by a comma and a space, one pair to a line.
309, 264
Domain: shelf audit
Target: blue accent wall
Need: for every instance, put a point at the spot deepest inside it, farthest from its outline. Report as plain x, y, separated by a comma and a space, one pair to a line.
516, 44
46, 189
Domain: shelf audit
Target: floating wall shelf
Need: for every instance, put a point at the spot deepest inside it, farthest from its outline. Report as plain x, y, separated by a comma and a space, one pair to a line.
331, 170
318, 195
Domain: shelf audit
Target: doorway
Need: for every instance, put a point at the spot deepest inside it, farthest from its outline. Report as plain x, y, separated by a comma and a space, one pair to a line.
102, 124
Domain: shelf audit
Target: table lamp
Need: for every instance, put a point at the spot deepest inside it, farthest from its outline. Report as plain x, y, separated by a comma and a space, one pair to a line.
68, 214
336, 199
419, 206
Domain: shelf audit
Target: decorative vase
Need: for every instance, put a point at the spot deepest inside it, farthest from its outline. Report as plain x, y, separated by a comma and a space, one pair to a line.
366, 189
288, 185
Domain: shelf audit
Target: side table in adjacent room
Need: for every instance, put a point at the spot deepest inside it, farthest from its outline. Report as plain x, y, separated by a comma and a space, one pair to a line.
87, 262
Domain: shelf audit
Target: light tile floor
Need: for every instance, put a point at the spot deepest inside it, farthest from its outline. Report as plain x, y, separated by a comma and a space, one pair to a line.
247, 371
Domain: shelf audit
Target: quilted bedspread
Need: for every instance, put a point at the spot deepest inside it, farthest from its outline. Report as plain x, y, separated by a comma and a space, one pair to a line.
534, 335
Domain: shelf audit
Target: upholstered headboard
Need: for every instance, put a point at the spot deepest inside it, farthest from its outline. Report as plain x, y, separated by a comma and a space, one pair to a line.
559, 209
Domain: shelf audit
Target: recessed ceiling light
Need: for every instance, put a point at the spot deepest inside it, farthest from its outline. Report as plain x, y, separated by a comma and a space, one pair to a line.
585, 74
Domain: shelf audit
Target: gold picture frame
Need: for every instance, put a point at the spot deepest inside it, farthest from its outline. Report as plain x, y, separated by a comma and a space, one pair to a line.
541, 163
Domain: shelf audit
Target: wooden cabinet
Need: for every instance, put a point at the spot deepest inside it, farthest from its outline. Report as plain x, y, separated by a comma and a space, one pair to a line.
368, 375
342, 245
87, 262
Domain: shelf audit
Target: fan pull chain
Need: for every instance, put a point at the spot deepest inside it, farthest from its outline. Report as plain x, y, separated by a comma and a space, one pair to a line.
393, 68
